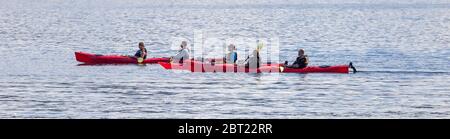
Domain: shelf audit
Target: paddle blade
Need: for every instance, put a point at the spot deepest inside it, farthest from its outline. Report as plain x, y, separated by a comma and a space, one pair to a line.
281, 68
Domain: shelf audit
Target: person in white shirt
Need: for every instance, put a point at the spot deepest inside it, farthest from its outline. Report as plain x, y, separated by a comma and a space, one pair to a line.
182, 54
253, 61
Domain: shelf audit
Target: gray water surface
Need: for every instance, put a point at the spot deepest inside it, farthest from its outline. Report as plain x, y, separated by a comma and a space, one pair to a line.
402, 50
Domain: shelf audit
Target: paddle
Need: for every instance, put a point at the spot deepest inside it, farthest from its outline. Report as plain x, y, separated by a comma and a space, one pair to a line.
281, 68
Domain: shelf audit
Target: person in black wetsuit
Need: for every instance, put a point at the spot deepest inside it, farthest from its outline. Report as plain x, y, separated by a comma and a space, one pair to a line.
301, 61
142, 52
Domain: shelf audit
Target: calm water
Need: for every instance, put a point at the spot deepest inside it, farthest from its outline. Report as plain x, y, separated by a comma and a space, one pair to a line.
402, 49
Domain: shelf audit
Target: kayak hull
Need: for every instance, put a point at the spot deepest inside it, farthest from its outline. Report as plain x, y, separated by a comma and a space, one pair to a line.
195, 66
200, 67
113, 59
319, 69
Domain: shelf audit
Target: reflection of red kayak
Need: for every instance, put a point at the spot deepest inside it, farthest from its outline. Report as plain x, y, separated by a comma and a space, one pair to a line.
195, 66
113, 59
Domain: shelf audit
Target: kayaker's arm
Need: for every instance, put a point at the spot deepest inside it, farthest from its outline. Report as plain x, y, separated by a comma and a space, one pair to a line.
141, 54
235, 57
179, 55
144, 54
300, 62
183, 54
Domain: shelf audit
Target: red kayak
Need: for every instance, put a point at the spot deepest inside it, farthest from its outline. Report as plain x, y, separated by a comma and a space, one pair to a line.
196, 66
114, 59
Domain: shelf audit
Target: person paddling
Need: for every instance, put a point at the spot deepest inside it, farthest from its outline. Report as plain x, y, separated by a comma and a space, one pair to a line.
229, 58
253, 61
301, 61
183, 53
141, 54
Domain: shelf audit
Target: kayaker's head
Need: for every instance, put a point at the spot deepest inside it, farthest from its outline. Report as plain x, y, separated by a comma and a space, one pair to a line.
183, 45
301, 52
141, 45
231, 47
